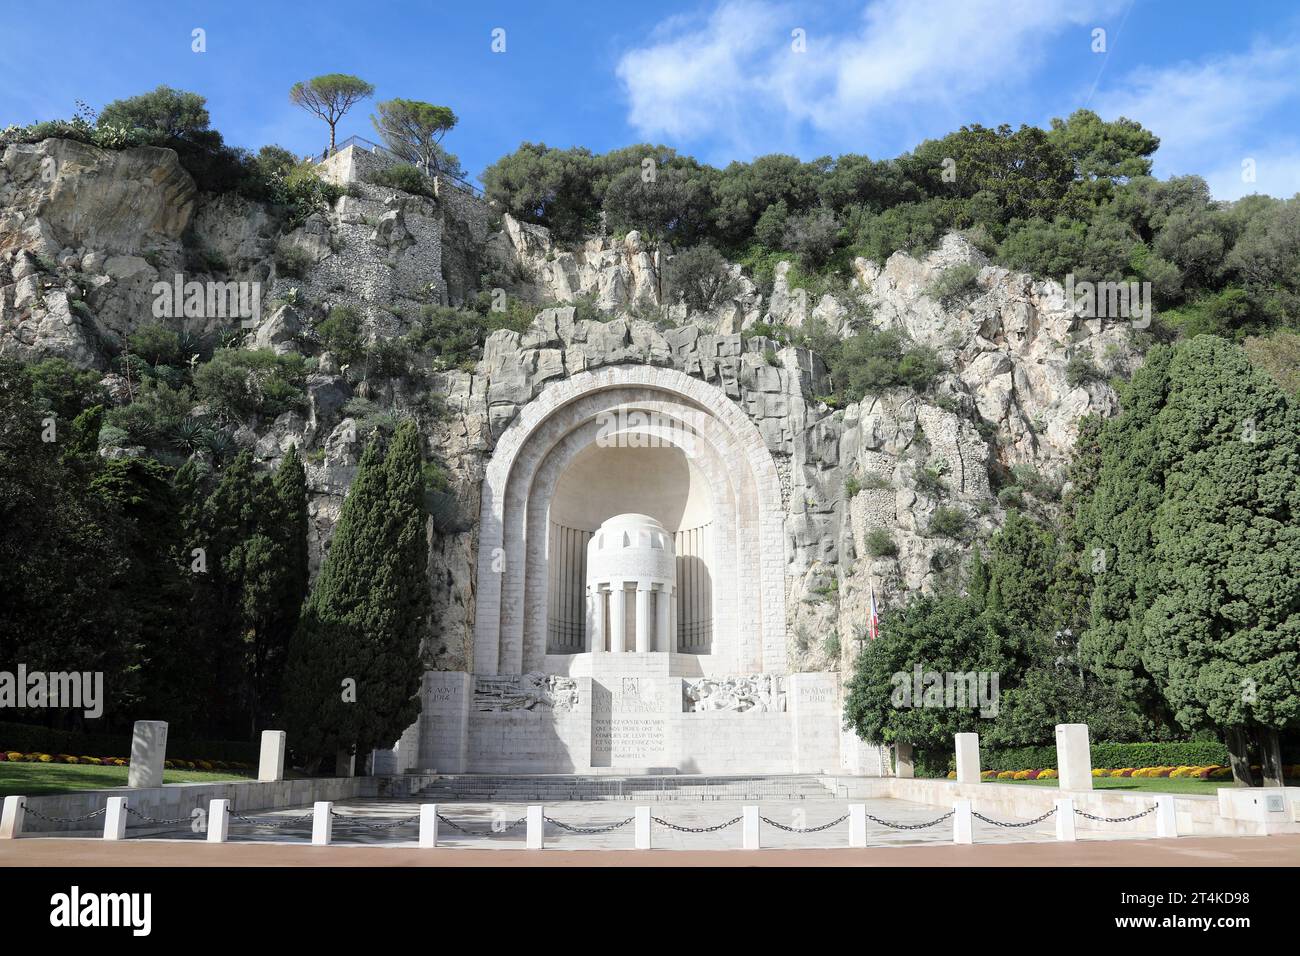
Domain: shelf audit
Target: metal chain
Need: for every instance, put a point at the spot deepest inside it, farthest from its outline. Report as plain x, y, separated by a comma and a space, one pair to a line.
910, 826
149, 819
42, 816
824, 826
1135, 816
1013, 826
353, 821
494, 832
721, 826
277, 824
587, 830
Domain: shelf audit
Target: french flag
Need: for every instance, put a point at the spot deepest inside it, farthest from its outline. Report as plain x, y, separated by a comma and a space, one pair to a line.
873, 623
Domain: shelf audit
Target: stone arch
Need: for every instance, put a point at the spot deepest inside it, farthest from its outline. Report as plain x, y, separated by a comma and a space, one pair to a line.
544, 423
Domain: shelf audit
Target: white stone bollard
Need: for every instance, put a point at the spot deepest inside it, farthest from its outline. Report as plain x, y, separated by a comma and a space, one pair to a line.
642, 825
536, 839
749, 839
115, 819
857, 824
11, 818
1065, 819
148, 752
218, 821
963, 824
1166, 818
322, 823
428, 825
1073, 757
270, 764
904, 767
968, 758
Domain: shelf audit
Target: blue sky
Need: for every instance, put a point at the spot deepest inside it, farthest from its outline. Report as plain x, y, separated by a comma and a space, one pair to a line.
1219, 83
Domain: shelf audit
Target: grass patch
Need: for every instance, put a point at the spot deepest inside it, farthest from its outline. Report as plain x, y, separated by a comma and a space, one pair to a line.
39, 779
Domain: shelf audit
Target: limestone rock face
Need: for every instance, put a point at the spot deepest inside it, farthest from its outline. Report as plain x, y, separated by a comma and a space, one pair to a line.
102, 199
887, 494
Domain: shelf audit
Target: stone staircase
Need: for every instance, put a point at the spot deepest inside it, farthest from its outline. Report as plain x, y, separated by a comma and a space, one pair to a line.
554, 788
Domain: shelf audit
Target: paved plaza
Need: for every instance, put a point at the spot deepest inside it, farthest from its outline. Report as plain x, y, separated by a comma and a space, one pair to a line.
607, 825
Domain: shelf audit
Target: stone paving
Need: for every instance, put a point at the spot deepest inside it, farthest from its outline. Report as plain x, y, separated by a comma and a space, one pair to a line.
497, 826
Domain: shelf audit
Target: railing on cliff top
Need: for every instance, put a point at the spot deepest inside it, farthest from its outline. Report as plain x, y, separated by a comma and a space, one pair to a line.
360, 142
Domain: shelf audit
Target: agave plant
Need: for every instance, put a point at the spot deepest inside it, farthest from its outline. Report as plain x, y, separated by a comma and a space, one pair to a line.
190, 434
219, 443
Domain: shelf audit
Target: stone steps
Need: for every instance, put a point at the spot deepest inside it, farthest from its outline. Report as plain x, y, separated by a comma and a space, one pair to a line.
494, 788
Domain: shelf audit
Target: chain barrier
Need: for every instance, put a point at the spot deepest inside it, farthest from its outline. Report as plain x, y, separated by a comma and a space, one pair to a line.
278, 824
49, 819
1136, 816
156, 822
910, 826
824, 826
570, 828
1013, 826
713, 829
493, 832
354, 821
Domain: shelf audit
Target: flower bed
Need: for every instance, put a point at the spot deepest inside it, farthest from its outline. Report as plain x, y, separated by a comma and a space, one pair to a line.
1209, 772
15, 756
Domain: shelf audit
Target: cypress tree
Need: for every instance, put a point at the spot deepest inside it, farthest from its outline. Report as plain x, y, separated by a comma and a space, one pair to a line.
354, 665
1197, 496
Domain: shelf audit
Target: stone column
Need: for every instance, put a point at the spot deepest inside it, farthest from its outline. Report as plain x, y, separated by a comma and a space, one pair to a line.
270, 764
148, 751
218, 821
617, 618
968, 758
643, 626
1073, 757
597, 636
904, 768
663, 621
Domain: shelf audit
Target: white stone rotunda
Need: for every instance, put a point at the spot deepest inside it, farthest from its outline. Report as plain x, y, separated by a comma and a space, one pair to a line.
631, 575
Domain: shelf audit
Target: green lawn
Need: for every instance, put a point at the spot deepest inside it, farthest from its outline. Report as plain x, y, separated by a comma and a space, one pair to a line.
37, 779
1146, 784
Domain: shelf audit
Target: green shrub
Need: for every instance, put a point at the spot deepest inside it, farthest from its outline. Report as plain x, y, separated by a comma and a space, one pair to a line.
291, 261
700, 276
871, 361
238, 383
298, 191
388, 358
404, 177
947, 522
881, 544
929, 481
342, 334
851, 486
954, 285
1081, 370
157, 410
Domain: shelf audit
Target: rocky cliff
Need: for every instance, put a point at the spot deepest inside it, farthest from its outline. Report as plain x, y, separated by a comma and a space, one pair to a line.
888, 492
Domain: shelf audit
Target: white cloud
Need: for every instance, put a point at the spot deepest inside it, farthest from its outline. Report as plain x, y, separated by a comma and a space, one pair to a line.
1214, 113
1276, 172
736, 68
1190, 104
